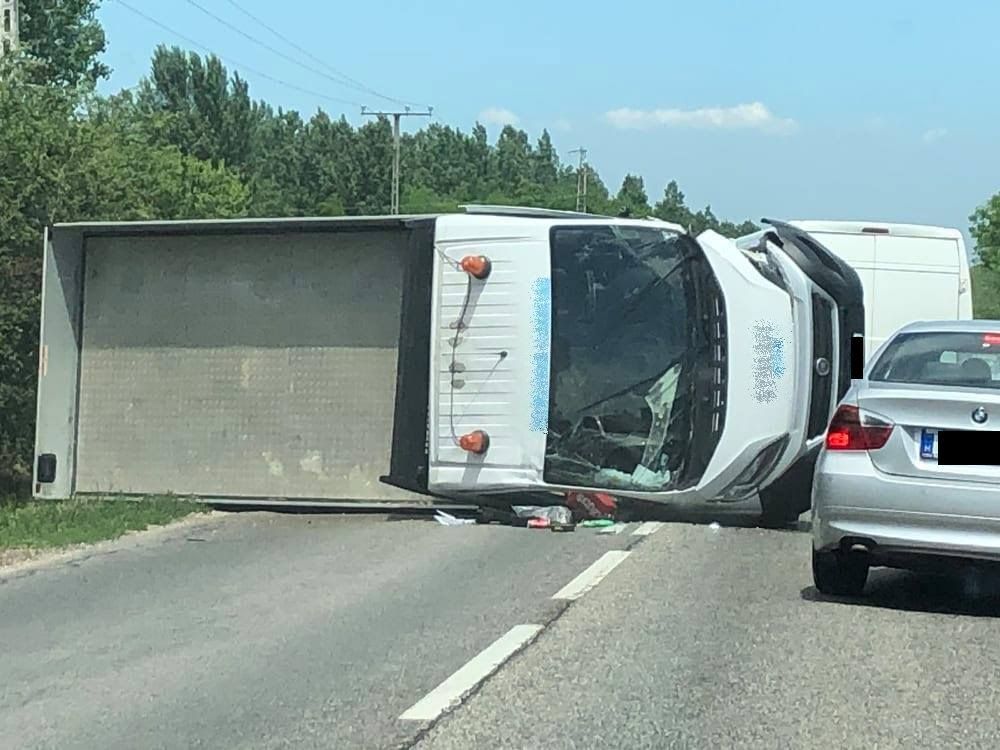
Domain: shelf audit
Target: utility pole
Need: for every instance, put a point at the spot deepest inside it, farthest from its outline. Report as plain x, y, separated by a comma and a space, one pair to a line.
9, 36
581, 180
396, 116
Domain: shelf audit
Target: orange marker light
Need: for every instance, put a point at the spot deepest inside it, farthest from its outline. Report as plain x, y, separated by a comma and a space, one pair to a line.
477, 266
477, 442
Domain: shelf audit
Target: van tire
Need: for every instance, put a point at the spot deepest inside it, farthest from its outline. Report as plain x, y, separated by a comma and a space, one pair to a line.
840, 573
783, 502
789, 496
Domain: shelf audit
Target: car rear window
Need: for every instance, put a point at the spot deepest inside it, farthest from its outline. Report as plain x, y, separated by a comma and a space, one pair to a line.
955, 359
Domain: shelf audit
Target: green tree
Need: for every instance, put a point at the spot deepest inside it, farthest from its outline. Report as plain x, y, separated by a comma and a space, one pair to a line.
632, 199
63, 162
417, 200
729, 229
330, 167
63, 40
546, 162
37, 154
671, 206
192, 103
513, 161
985, 230
703, 220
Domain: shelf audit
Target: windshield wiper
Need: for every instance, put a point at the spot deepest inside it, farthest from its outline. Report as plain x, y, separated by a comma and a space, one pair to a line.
645, 381
638, 297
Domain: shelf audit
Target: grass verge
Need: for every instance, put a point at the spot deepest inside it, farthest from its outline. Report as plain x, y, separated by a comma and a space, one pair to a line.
37, 524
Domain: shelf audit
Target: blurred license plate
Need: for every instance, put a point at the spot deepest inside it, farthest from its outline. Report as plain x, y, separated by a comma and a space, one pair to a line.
929, 444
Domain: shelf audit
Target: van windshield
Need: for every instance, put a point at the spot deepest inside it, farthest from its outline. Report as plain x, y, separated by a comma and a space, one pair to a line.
636, 365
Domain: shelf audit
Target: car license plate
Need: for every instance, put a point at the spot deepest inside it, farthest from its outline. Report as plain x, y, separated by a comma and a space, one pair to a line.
929, 445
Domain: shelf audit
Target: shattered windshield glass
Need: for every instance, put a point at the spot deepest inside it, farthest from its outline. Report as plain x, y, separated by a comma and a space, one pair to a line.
628, 350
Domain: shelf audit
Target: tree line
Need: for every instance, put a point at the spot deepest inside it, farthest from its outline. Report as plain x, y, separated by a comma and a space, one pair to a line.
189, 141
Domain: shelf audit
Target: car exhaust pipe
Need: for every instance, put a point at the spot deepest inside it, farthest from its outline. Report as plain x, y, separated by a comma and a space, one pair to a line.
856, 546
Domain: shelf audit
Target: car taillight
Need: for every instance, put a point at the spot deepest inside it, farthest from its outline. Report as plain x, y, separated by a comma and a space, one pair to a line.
854, 429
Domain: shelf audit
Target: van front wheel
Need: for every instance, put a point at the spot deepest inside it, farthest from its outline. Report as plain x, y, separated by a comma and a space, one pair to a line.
781, 507
789, 496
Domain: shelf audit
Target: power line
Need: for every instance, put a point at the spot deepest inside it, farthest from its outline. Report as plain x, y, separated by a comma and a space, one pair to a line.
233, 62
261, 43
346, 79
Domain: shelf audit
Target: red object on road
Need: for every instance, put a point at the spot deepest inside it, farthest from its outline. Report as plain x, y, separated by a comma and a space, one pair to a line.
592, 504
539, 523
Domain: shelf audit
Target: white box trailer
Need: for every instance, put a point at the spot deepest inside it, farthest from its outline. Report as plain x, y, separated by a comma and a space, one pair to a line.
248, 359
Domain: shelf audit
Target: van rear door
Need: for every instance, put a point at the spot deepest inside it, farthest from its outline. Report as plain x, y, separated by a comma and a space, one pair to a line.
916, 278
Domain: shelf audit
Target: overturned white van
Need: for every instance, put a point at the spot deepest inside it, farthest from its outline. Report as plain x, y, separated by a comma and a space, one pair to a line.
499, 352
567, 352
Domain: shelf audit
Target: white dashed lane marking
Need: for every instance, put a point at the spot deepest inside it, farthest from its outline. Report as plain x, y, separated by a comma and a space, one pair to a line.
450, 692
647, 528
592, 575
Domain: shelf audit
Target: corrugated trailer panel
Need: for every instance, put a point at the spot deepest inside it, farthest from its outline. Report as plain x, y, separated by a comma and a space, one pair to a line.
240, 365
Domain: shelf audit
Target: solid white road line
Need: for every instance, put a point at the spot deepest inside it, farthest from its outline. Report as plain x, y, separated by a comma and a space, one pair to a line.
647, 528
450, 692
592, 575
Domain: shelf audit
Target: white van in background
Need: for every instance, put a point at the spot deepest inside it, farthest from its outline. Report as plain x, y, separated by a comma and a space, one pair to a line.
909, 272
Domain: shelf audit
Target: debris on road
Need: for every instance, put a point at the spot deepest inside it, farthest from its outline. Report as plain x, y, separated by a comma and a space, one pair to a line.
555, 517
554, 513
597, 523
592, 504
446, 519
488, 514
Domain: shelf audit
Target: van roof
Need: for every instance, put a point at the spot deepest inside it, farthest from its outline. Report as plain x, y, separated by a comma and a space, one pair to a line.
314, 223
878, 227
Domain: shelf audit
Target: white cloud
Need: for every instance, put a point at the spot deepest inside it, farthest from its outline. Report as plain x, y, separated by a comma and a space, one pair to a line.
754, 116
934, 134
498, 116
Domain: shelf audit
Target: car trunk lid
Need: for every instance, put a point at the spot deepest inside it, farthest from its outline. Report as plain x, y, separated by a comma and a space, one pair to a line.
920, 413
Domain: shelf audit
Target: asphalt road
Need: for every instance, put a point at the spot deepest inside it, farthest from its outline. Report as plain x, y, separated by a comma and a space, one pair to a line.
716, 639
262, 631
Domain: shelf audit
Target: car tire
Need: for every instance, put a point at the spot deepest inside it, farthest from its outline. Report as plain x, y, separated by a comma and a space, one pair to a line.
839, 573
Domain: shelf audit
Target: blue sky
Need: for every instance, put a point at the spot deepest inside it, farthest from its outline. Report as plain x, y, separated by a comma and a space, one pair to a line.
849, 110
